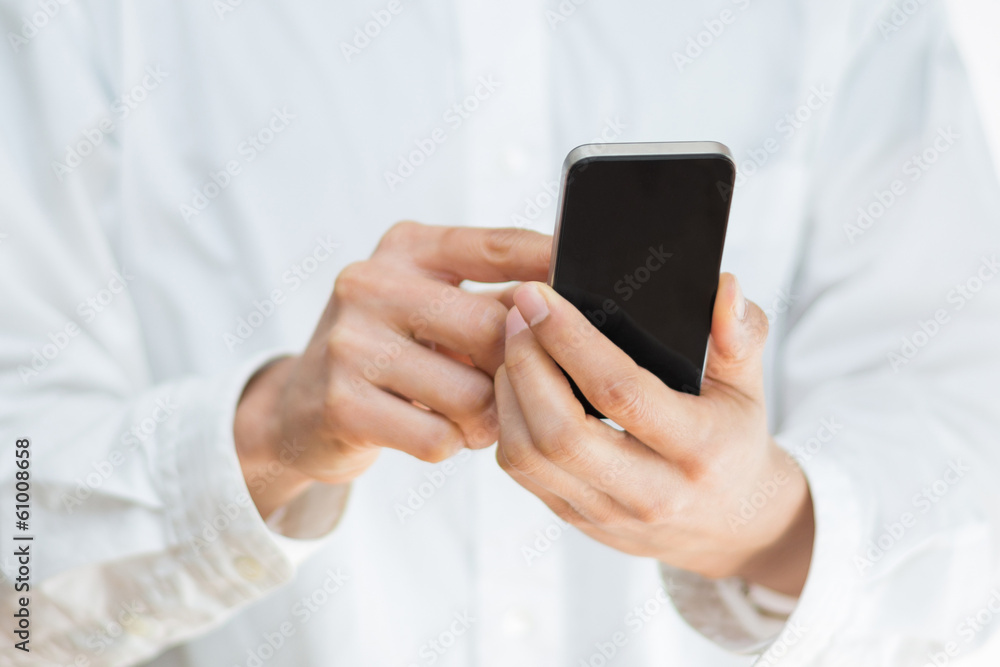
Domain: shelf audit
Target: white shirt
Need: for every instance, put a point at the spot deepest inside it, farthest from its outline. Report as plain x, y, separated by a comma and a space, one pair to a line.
181, 184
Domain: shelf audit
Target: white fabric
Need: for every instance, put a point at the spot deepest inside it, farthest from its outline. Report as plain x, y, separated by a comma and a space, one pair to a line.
145, 388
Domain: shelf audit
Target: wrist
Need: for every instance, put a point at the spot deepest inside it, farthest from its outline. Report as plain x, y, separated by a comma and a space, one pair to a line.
783, 563
265, 456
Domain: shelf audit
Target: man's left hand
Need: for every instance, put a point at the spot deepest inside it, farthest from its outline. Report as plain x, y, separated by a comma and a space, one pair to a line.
670, 484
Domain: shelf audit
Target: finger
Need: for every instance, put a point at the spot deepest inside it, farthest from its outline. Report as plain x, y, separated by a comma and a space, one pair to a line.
505, 296
563, 509
471, 253
459, 392
630, 395
535, 377
464, 323
451, 354
429, 310
517, 455
568, 513
378, 418
739, 333
604, 458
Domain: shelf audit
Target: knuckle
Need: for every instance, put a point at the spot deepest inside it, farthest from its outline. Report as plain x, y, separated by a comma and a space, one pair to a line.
435, 454
430, 455
352, 282
694, 468
502, 460
485, 430
623, 397
504, 245
486, 319
759, 328
566, 512
476, 397
564, 446
601, 512
704, 451
338, 405
439, 446
499, 244
519, 457
400, 235
518, 361
699, 464
341, 344
652, 511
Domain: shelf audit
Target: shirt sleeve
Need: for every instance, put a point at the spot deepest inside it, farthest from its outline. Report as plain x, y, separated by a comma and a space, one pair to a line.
887, 366
144, 531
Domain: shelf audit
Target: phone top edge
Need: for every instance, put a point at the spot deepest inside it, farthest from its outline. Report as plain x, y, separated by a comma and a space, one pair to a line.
619, 150
651, 149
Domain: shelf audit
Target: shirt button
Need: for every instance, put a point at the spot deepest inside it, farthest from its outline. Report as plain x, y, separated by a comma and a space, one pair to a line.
516, 623
249, 568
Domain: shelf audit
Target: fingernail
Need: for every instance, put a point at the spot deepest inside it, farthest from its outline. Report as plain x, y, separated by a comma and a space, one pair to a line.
740, 302
531, 303
515, 323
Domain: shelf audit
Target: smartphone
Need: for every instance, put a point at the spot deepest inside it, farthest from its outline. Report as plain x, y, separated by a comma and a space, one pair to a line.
638, 247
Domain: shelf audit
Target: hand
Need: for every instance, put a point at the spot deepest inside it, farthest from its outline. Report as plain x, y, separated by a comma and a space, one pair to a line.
402, 358
669, 486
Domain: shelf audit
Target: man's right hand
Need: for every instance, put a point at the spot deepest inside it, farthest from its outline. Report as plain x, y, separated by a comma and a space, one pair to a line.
402, 358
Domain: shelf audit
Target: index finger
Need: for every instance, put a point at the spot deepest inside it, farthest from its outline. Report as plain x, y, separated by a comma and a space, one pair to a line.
627, 393
472, 253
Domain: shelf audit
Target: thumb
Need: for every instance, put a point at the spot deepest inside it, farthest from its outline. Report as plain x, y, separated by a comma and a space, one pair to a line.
736, 348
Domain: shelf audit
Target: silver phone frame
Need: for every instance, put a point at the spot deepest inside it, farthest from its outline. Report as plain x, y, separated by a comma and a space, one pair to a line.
667, 149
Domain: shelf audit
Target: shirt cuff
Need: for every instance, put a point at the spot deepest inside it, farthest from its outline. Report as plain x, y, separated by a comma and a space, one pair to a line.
753, 621
218, 554
212, 510
722, 611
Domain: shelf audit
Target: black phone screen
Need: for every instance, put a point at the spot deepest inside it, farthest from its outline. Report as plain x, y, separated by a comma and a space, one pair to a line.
639, 250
